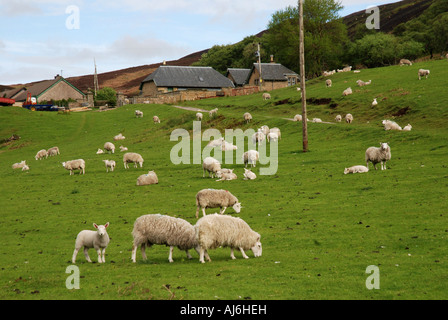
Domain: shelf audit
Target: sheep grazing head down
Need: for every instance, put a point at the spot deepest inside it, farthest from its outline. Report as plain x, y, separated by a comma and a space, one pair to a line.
101, 229
257, 249
237, 207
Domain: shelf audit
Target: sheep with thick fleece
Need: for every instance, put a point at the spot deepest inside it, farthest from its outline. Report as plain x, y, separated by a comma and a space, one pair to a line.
148, 179
163, 230
216, 230
138, 114
110, 164
329, 83
227, 176
374, 103
277, 131
79, 164
213, 113
41, 154
211, 165
362, 83
349, 118
338, 118
53, 151
247, 117
134, 158
19, 165
265, 129
249, 175
266, 96
119, 137
109, 147
298, 117
156, 119
199, 116
258, 137
378, 155
405, 62
423, 73
100, 151
272, 137
317, 120
356, 169
99, 240
391, 125
407, 128
347, 92
211, 198
251, 157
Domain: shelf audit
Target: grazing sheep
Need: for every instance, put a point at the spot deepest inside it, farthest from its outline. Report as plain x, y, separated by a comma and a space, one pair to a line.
374, 103
277, 131
119, 137
156, 119
226, 176
362, 83
251, 157
378, 155
258, 137
53, 151
199, 116
407, 128
391, 125
423, 73
247, 117
211, 198
92, 239
100, 151
160, 229
148, 179
109, 147
328, 83
347, 69
211, 165
317, 120
138, 114
110, 164
356, 169
41, 154
338, 118
405, 62
123, 149
79, 164
298, 117
249, 175
131, 157
19, 165
347, 92
215, 231
213, 113
266, 96
265, 129
349, 118
272, 136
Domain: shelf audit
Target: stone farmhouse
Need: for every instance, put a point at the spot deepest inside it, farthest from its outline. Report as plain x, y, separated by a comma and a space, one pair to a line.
273, 75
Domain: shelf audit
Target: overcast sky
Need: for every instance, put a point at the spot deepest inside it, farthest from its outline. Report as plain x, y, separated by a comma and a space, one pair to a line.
39, 38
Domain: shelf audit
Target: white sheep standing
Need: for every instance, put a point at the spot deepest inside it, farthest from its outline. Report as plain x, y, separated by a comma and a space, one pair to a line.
407, 128
251, 157
110, 164
347, 92
277, 131
216, 230
247, 117
391, 125
99, 240
41, 154
211, 165
249, 175
356, 169
160, 229
19, 165
109, 147
138, 114
211, 198
72, 165
53, 151
156, 119
349, 118
266, 96
199, 116
423, 73
265, 129
134, 158
338, 118
374, 103
213, 113
258, 137
328, 83
378, 155
405, 62
272, 137
148, 179
298, 117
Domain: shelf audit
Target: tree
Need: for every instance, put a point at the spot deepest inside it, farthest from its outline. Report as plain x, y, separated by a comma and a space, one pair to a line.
107, 94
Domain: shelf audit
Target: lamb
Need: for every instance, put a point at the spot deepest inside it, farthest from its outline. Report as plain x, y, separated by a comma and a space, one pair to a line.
266, 96
226, 146
163, 230
227, 176
251, 157
109, 146
328, 83
215, 231
272, 136
407, 128
211, 165
338, 118
405, 62
19, 165
131, 157
53, 151
258, 137
199, 116
215, 143
247, 117
347, 69
347, 92
349, 118
100, 151
99, 240
277, 131
213, 113
138, 114
156, 119
317, 120
249, 175
148, 179
423, 73
362, 83
211, 198
79, 164
41, 154
265, 129
25, 168
374, 103
391, 125
110, 164
123, 149
378, 155
356, 169
119, 137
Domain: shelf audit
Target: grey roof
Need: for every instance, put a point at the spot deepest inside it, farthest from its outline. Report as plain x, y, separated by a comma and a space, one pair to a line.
188, 77
274, 71
240, 76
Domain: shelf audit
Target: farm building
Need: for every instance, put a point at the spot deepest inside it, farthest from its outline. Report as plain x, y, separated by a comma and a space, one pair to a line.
47, 90
238, 76
274, 75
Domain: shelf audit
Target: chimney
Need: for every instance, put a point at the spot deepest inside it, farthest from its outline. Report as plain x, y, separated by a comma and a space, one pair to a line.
272, 58
164, 62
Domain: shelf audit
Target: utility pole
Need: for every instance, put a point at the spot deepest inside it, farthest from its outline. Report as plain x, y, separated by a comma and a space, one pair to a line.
302, 78
95, 80
259, 67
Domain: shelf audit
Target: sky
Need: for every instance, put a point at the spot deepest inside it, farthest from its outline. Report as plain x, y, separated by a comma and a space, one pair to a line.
42, 38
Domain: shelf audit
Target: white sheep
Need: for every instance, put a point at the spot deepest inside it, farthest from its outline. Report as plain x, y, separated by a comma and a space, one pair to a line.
423, 73
329, 83
391, 125
317, 120
374, 103
215, 231
156, 119
110, 164
405, 62
356, 169
211, 198
298, 117
258, 137
99, 240
347, 92
213, 113
247, 117
123, 149
362, 83
211, 165
53, 151
378, 155
338, 118
277, 131
199, 116
349, 118
25, 168
251, 157
160, 229
249, 175
226, 176
41, 154
272, 137
138, 114
134, 158
266, 96
407, 128
100, 151
215, 143
148, 179
109, 147
265, 129
72, 165
347, 69
119, 137
19, 165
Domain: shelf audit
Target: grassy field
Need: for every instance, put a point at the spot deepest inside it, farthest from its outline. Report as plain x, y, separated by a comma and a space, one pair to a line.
320, 228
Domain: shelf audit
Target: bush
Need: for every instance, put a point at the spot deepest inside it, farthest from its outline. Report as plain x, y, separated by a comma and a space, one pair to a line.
107, 94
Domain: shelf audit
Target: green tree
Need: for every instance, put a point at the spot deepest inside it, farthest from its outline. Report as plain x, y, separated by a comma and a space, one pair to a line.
107, 94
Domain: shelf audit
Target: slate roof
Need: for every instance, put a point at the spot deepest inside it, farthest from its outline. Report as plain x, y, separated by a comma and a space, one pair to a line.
188, 77
274, 71
240, 76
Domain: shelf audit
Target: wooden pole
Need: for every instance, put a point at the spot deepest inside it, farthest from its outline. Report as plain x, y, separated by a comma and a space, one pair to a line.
302, 78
